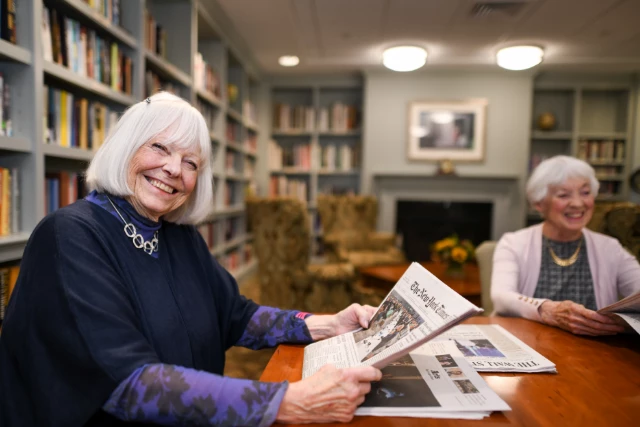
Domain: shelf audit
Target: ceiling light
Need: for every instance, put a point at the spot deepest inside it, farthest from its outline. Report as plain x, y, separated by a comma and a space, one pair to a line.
519, 57
289, 60
404, 58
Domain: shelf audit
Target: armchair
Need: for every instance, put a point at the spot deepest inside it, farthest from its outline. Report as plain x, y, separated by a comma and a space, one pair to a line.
281, 230
620, 220
349, 224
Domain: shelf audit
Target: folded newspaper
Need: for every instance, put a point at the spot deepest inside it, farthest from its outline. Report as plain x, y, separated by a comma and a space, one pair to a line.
423, 385
489, 348
628, 309
418, 308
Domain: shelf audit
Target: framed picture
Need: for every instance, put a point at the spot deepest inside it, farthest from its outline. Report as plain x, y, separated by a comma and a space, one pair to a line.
452, 130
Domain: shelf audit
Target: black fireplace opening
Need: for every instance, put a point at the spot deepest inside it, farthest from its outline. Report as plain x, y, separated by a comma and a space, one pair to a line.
422, 223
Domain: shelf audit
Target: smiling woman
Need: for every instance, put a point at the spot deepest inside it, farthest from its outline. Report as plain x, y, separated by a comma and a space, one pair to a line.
559, 272
123, 313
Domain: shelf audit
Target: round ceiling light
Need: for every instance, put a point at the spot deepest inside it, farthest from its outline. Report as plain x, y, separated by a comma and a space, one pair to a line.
288, 60
519, 57
404, 58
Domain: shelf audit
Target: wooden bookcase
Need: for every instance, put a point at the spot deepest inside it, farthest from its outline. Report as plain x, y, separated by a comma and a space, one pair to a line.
190, 29
593, 123
316, 143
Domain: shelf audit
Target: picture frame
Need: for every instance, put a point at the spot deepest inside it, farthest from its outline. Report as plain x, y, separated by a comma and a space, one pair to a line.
447, 130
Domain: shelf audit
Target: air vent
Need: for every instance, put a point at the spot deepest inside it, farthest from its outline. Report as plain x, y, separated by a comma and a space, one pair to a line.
488, 8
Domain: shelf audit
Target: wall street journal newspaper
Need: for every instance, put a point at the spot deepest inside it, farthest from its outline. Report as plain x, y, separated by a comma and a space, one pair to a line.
422, 385
489, 348
418, 308
628, 309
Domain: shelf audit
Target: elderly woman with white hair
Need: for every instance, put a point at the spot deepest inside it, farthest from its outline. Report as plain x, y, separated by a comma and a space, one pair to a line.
121, 315
559, 272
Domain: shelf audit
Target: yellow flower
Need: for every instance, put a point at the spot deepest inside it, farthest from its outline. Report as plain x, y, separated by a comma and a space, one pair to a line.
459, 254
444, 244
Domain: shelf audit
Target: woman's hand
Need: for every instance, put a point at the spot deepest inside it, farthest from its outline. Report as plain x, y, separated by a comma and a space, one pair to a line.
351, 318
329, 395
577, 319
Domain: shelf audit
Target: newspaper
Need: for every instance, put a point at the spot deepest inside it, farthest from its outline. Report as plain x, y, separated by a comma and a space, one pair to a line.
489, 348
422, 385
628, 309
418, 308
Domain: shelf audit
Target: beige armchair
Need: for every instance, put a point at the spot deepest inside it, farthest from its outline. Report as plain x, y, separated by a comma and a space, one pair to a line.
484, 258
281, 243
349, 231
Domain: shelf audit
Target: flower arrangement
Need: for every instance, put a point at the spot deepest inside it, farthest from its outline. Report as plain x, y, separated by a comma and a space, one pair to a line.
454, 252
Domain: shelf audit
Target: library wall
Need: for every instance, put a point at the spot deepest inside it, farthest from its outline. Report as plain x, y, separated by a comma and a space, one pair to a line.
387, 99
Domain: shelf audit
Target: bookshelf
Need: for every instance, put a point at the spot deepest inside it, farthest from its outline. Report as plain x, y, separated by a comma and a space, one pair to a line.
315, 143
593, 123
148, 59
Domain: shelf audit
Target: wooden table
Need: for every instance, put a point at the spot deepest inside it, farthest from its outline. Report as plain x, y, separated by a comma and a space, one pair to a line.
597, 384
386, 276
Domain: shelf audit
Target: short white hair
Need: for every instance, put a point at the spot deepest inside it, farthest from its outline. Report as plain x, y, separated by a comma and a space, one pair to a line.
181, 126
555, 171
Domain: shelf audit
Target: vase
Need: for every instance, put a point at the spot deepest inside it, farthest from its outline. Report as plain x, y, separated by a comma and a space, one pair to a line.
454, 270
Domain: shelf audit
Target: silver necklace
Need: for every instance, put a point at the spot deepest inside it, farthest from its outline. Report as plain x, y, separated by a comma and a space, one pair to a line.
137, 239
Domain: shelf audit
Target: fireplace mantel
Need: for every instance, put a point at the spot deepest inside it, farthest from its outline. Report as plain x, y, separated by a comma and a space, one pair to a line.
503, 191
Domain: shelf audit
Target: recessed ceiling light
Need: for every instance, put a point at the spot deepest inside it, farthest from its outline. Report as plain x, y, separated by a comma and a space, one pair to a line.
519, 57
404, 58
288, 60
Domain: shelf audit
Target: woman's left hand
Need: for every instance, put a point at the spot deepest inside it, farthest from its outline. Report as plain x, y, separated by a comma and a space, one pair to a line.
351, 318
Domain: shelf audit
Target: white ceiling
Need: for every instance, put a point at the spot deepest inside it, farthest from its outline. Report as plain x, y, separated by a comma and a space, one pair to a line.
350, 35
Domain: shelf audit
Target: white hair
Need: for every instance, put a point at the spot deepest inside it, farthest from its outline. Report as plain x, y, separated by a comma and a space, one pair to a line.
181, 126
555, 171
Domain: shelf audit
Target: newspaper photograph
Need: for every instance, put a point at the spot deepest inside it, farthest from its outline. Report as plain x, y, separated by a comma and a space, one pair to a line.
418, 308
488, 348
443, 386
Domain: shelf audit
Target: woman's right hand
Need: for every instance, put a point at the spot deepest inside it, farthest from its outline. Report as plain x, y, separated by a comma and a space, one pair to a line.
577, 319
329, 395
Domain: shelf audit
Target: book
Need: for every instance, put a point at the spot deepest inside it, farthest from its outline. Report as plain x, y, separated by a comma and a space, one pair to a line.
628, 309
417, 309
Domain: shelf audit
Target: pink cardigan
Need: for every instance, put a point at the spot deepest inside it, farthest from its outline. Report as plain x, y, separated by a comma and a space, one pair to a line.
516, 267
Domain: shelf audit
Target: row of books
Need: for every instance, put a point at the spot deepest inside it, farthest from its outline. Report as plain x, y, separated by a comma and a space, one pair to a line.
74, 121
231, 196
8, 279
297, 156
208, 112
330, 157
249, 111
61, 189
153, 83
155, 36
601, 150
337, 118
205, 76
9, 201
285, 186
233, 131
110, 9
607, 171
68, 43
232, 162
8, 30
6, 128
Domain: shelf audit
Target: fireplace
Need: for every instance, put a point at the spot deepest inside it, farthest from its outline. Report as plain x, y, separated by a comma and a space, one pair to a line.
496, 202
422, 223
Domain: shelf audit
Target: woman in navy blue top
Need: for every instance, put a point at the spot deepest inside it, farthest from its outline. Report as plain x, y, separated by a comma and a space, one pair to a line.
121, 316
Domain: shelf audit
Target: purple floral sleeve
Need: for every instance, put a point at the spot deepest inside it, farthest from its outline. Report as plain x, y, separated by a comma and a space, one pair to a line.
174, 395
270, 326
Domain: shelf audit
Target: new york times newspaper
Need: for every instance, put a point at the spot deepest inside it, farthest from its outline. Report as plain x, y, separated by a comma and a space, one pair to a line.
489, 348
418, 308
423, 385
628, 309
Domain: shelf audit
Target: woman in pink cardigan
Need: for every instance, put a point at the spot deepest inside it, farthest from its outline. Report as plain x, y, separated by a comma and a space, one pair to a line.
559, 272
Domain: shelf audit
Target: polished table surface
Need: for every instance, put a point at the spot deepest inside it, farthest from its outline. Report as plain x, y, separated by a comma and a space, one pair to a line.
597, 384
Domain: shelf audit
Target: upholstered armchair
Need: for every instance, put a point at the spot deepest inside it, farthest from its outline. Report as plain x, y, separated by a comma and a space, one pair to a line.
281, 230
349, 231
620, 220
